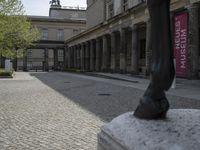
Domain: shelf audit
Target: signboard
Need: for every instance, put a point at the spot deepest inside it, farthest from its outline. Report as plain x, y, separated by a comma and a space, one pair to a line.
181, 44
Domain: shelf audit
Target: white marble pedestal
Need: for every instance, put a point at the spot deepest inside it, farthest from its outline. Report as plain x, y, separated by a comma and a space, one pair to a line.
180, 131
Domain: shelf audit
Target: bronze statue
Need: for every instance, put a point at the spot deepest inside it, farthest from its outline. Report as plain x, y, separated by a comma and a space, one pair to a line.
154, 104
58, 1
55, 2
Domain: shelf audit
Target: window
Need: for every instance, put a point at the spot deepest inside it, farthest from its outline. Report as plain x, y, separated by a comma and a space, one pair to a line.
125, 5
45, 34
60, 35
75, 31
29, 53
110, 10
60, 55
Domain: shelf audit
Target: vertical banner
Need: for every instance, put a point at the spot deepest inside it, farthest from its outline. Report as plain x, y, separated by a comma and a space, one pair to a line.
181, 44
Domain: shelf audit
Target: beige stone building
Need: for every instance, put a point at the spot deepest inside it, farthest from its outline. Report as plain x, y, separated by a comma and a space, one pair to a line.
49, 52
118, 39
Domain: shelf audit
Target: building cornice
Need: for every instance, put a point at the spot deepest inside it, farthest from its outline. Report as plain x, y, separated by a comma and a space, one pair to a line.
56, 20
64, 9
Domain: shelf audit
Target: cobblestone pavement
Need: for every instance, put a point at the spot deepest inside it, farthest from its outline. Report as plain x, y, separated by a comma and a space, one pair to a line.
56, 111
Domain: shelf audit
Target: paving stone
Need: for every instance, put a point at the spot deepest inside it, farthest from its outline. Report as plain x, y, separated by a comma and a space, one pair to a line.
40, 111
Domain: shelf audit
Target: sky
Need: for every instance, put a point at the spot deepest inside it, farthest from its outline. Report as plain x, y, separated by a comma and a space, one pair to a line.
41, 7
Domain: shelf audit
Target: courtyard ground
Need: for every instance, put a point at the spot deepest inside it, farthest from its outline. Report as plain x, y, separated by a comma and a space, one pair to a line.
56, 111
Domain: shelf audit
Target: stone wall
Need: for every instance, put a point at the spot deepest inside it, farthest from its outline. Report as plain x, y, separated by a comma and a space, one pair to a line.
70, 29
95, 13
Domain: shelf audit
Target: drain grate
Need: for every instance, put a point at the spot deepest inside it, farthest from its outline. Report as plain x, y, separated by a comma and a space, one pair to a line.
134, 81
67, 82
104, 94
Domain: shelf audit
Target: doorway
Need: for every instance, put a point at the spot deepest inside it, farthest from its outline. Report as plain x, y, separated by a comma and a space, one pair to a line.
142, 49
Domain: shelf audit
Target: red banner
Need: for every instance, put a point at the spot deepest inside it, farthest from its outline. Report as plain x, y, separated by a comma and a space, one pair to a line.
181, 44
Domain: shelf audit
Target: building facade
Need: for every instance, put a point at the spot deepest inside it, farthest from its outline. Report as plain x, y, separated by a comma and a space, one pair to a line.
118, 38
49, 52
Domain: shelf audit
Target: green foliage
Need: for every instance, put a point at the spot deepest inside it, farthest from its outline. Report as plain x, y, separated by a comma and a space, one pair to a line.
16, 33
4, 73
11, 7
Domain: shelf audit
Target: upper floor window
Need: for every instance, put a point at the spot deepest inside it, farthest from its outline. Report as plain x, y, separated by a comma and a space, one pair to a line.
60, 35
125, 5
110, 9
75, 31
45, 34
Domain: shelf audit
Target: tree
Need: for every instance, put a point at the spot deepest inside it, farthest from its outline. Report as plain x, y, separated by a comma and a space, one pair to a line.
16, 33
11, 7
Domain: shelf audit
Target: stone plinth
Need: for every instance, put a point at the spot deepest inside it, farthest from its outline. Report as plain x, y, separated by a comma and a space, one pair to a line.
180, 131
56, 6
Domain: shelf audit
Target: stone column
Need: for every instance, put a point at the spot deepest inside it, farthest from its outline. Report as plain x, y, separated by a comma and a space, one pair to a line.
105, 54
78, 57
75, 56
134, 51
65, 58
69, 57
80, 53
87, 56
55, 59
122, 52
91, 55
113, 52
72, 57
82, 57
25, 61
97, 67
193, 43
46, 59
148, 47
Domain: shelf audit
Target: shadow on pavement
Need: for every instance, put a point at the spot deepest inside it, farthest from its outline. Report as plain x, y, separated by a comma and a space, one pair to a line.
102, 99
